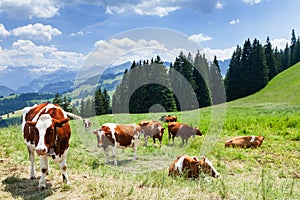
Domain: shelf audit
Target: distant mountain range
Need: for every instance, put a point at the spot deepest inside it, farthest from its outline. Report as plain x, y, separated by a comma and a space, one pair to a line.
15, 80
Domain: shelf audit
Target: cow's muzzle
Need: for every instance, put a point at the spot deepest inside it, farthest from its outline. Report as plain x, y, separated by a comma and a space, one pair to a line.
41, 151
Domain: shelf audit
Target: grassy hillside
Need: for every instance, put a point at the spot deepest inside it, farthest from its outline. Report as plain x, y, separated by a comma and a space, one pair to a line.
269, 172
283, 88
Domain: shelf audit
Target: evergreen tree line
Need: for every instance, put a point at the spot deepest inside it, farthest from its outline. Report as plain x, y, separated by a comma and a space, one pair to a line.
99, 105
185, 85
254, 65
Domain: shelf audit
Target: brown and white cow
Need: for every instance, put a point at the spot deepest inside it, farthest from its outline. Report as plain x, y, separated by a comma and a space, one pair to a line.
245, 141
176, 129
118, 135
168, 118
152, 129
46, 130
192, 167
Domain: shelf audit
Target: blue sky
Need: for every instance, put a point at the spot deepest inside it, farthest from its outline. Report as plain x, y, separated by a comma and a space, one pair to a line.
62, 33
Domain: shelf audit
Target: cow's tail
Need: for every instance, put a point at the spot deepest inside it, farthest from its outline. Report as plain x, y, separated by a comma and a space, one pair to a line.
73, 116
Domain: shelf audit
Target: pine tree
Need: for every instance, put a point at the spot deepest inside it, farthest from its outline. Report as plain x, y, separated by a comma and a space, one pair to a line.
201, 79
296, 53
232, 78
57, 99
293, 58
106, 100
82, 108
246, 69
98, 101
270, 59
258, 73
285, 58
216, 85
184, 84
142, 87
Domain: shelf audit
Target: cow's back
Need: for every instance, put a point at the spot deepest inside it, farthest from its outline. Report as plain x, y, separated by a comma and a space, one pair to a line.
125, 134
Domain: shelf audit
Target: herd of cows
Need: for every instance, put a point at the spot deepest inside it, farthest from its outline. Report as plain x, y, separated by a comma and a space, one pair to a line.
46, 131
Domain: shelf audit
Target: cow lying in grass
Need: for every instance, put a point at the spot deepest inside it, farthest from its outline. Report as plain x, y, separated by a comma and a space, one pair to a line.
192, 167
245, 141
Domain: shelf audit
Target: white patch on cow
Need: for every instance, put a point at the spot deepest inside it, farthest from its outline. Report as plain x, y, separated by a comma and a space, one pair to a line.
44, 165
47, 107
212, 167
179, 164
25, 111
252, 139
44, 122
180, 127
112, 127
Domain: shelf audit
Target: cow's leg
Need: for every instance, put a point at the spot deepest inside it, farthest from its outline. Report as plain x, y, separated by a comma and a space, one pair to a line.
146, 140
173, 137
182, 141
106, 151
135, 137
114, 149
44, 167
186, 141
63, 167
31, 157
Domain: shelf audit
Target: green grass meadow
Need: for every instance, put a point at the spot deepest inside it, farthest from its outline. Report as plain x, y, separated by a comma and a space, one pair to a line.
271, 171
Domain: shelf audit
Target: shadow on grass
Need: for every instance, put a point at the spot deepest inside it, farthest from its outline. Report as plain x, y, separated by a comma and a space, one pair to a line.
26, 189
120, 162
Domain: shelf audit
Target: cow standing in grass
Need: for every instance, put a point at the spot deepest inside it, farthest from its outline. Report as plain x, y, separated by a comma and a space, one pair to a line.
176, 129
152, 129
168, 118
46, 130
118, 135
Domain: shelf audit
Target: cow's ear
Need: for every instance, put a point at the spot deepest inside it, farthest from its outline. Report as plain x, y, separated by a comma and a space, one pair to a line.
30, 123
60, 122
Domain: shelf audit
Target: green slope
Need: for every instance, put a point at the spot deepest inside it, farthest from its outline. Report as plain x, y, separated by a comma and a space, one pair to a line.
282, 89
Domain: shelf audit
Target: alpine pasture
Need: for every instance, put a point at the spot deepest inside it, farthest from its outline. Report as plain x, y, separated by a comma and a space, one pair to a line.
271, 171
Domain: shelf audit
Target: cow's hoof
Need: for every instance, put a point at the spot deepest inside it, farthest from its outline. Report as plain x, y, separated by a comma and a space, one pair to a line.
32, 177
42, 186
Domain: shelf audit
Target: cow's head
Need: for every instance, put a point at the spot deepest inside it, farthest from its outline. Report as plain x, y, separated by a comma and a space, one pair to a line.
44, 130
104, 136
161, 133
207, 168
198, 132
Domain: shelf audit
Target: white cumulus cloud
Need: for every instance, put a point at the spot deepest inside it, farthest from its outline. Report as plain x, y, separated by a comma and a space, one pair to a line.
200, 38
29, 8
3, 31
149, 7
219, 5
222, 54
279, 43
252, 1
235, 21
36, 31
26, 53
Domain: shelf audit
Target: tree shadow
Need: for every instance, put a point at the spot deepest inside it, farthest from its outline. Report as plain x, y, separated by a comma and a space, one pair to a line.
120, 162
26, 189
